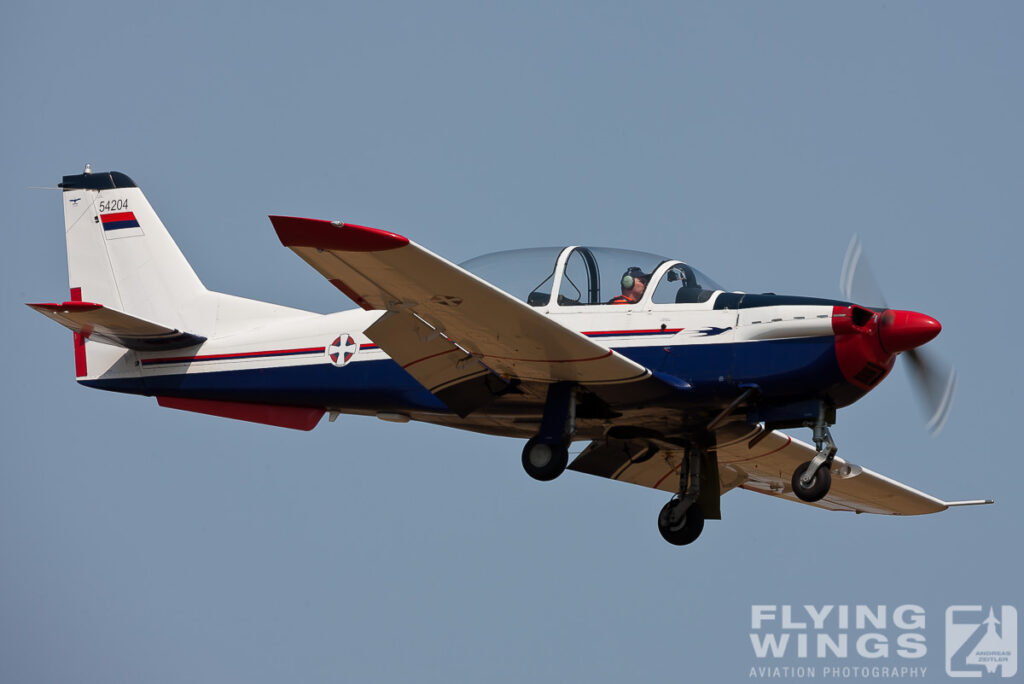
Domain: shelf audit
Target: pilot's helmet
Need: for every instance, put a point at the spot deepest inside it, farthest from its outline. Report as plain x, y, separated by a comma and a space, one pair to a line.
632, 274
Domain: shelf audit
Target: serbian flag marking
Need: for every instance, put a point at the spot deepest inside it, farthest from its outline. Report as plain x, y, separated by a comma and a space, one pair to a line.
124, 219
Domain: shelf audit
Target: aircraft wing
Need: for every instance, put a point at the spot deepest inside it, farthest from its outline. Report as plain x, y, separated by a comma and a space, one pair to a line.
447, 325
767, 467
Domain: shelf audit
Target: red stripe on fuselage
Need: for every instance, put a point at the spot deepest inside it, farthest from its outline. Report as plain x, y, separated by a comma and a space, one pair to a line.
654, 331
239, 355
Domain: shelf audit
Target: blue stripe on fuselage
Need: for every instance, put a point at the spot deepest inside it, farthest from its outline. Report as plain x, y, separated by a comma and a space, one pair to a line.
372, 385
785, 370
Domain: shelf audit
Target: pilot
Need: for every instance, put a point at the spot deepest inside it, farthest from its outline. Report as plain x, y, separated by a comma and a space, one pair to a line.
634, 282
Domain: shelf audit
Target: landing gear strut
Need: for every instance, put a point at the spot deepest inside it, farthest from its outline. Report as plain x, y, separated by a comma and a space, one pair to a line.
546, 455
681, 520
812, 480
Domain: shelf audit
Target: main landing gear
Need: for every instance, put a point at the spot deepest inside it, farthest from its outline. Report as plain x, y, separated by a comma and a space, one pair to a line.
812, 480
682, 519
546, 455
545, 462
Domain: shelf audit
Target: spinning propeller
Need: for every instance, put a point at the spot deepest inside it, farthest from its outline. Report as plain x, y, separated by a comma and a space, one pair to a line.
933, 379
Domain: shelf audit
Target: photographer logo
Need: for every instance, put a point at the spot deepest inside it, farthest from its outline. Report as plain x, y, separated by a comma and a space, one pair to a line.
981, 641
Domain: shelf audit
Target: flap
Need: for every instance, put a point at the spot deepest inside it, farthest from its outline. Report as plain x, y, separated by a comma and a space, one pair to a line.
449, 372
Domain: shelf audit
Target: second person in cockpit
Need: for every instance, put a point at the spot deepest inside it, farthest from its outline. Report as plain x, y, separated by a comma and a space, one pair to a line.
634, 282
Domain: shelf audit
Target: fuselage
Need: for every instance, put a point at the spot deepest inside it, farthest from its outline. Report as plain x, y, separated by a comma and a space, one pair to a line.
795, 351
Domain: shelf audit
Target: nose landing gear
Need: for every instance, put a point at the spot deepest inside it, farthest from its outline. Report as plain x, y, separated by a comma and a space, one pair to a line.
812, 480
816, 487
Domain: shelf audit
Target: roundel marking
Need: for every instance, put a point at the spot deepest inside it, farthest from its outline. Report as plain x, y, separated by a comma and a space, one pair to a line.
342, 349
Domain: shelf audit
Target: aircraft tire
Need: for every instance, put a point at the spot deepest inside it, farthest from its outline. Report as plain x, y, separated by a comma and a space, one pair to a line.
819, 486
545, 462
686, 531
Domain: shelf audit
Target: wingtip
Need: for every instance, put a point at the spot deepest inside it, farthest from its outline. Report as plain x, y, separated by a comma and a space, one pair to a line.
973, 502
294, 231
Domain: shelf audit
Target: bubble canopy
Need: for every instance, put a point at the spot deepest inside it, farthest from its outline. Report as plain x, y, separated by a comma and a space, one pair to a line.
591, 276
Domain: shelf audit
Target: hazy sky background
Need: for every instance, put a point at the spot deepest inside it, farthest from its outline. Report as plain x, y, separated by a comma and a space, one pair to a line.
139, 544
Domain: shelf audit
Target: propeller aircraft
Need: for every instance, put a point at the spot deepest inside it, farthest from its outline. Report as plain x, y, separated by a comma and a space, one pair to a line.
676, 383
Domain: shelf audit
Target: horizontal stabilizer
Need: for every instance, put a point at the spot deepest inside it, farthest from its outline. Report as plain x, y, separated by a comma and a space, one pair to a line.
102, 324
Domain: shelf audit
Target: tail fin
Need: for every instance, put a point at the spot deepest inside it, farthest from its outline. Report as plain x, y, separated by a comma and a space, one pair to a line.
119, 253
131, 287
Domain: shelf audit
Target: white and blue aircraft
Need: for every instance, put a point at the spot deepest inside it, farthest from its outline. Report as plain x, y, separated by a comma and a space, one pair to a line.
676, 383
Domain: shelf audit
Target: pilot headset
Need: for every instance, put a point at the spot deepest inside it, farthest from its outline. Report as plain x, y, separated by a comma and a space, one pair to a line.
629, 279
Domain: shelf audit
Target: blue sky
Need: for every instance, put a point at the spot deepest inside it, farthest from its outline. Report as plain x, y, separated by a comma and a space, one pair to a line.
752, 139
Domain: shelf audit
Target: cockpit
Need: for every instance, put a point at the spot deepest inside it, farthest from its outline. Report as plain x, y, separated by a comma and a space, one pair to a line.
588, 276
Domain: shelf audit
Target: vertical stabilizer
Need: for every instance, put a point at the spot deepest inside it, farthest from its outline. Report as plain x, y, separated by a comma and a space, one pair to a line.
119, 253
131, 289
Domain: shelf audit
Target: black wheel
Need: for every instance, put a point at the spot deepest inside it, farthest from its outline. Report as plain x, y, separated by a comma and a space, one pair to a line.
683, 531
545, 462
819, 486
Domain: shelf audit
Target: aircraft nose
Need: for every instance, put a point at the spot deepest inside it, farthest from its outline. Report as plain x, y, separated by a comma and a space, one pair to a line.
901, 331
